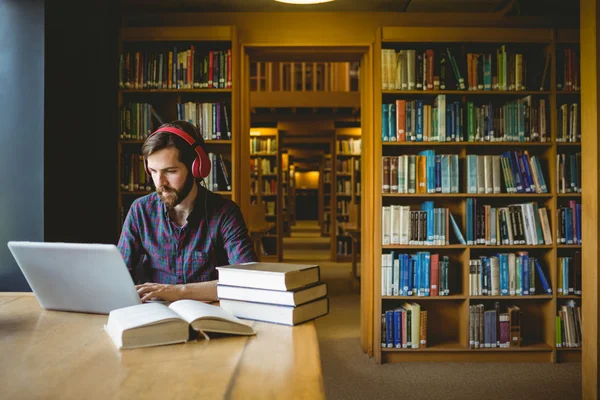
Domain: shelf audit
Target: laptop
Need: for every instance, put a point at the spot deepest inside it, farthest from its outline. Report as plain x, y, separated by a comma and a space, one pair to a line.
91, 278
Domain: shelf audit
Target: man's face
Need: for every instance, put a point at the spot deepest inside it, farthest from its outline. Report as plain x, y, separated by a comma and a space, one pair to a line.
172, 179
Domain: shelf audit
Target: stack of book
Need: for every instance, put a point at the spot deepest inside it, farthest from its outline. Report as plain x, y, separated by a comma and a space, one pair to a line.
280, 293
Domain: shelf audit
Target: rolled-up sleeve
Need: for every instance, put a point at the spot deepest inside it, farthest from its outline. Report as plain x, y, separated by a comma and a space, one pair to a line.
129, 243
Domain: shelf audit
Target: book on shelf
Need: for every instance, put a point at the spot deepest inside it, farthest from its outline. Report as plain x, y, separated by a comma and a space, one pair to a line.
513, 224
494, 329
569, 275
154, 324
174, 67
568, 173
521, 120
568, 227
567, 69
210, 118
421, 275
568, 325
428, 226
507, 274
454, 68
404, 327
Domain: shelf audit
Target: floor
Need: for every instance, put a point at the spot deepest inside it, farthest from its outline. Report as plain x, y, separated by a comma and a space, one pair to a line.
349, 374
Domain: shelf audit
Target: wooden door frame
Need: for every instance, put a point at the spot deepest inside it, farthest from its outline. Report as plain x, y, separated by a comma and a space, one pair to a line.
362, 52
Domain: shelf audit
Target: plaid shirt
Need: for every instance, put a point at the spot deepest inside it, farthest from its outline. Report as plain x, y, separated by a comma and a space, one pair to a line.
175, 254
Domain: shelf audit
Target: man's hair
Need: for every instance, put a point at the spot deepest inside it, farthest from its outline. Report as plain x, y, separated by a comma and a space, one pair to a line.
164, 140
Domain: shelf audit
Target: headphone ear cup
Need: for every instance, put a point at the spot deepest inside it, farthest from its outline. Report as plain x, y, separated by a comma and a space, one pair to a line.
201, 166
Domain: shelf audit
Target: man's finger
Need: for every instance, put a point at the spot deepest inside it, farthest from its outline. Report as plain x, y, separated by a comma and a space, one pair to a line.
148, 296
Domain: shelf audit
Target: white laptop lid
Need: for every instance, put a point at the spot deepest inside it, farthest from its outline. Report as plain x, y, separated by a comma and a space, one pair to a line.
76, 277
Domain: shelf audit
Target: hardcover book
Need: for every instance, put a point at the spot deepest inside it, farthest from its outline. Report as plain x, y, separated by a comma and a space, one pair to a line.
155, 324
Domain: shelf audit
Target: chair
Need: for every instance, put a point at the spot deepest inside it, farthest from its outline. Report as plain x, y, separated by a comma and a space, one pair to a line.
258, 226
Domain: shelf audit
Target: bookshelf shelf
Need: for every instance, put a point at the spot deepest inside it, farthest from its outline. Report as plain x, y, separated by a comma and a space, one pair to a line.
455, 347
426, 298
531, 347
569, 194
571, 296
466, 195
466, 92
534, 297
568, 144
462, 51
575, 349
174, 91
446, 347
423, 247
467, 144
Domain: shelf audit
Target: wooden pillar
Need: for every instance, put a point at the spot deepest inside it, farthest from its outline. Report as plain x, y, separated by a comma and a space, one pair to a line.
591, 164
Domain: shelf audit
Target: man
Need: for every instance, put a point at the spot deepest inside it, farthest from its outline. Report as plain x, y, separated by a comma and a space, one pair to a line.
182, 231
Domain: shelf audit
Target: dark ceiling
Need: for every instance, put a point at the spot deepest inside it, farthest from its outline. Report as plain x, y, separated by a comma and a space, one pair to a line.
517, 7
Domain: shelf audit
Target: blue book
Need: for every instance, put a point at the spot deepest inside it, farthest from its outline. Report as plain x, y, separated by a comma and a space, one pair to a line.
398, 328
456, 230
438, 173
389, 331
543, 280
568, 217
419, 120
525, 277
528, 173
392, 121
413, 270
385, 124
503, 260
407, 274
425, 265
428, 207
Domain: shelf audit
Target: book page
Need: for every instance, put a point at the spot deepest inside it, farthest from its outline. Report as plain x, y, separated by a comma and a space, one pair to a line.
191, 310
142, 315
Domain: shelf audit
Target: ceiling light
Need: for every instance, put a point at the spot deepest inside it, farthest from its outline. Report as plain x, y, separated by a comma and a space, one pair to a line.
304, 1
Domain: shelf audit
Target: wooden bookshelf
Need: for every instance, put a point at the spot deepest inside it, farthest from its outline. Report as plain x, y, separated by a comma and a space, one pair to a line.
346, 180
448, 316
325, 194
287, 205
266, 187
164, 101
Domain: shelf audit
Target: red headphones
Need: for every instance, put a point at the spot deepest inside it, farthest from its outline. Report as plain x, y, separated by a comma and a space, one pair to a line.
201, 165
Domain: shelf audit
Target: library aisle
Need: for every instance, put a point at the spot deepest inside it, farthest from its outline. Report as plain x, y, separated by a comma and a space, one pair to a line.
349, 374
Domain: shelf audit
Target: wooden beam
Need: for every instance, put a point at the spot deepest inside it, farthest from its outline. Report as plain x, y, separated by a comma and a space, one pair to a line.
305, 99
590, 148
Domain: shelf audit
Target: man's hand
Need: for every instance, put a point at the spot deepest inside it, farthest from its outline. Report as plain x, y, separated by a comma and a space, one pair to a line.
149, 291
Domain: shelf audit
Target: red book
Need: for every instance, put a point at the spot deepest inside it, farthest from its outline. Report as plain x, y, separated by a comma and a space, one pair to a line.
429, 69
229, 68
433, 281
210, 69
401, 120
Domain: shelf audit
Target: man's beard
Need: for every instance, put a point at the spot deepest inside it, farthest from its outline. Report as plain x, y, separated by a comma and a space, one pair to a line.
172, 197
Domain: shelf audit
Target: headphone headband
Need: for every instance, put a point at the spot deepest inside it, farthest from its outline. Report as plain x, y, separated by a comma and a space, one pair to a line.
201, 165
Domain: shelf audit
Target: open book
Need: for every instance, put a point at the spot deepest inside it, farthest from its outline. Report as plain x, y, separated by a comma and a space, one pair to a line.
154, 324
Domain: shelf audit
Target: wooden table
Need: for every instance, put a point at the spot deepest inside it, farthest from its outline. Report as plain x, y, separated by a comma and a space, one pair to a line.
61, 355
